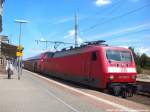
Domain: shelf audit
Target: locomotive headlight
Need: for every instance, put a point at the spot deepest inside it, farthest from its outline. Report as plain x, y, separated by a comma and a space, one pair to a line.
111, 77
41, 60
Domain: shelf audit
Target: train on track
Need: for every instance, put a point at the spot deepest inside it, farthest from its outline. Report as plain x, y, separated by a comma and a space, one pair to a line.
93, 63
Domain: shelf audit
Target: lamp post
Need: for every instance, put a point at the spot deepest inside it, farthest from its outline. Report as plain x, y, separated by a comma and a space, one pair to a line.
20, 22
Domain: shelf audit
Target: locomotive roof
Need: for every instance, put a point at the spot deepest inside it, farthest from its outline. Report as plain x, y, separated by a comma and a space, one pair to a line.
114, 47
37, 56
88, 46
84, 49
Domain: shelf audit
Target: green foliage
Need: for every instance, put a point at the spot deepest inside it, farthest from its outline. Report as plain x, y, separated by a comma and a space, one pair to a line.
144, 60
138, 59
139, 69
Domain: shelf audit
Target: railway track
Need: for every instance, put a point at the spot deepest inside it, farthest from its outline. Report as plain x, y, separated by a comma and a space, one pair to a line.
145, 84
143, 96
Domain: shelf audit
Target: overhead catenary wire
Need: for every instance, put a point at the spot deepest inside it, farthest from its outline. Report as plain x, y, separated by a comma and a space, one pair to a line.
53, 41
135, 32
114, 18
114, 7
110, 12
56, 43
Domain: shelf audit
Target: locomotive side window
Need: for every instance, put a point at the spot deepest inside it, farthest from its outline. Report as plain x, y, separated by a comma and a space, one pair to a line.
49, 55
94, 56
52, 55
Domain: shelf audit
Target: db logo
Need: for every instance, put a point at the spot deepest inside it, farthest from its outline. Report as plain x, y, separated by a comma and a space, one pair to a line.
123, 69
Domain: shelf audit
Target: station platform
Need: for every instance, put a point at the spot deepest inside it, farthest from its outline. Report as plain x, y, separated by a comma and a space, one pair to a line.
35, 93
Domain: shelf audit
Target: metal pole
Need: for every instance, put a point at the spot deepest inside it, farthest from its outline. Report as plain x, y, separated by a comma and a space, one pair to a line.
21, 66
19, 58
20, 35
76, 29
18, 68
20, 45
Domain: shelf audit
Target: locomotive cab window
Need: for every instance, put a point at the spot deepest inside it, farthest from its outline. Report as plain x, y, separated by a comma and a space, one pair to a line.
118, 55
94, 56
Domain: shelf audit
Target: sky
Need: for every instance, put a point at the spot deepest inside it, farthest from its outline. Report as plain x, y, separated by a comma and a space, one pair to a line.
119, 22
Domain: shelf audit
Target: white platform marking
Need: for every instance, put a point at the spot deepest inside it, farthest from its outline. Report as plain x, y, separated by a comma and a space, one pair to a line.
69, 106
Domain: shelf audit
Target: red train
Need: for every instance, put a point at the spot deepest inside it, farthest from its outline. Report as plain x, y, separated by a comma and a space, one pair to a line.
94, 64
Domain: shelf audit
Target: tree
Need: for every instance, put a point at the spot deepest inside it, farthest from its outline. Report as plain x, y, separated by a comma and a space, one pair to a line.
144, 60
135, 56
137, 60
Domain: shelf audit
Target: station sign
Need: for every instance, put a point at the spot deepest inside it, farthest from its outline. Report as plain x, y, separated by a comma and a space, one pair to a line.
19, 52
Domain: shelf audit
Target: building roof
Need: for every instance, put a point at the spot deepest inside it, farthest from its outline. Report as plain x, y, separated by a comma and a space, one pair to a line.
7, 50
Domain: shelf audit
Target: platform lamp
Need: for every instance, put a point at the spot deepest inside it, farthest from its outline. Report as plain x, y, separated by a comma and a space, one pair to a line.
19, 59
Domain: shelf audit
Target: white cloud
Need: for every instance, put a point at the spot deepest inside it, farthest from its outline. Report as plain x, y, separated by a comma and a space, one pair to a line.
80, 40
42, 39
145, 50
71, 34
64, 20
102, 2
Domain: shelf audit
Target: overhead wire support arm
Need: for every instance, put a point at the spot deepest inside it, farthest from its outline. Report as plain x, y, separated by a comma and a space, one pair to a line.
56, 43
53, 41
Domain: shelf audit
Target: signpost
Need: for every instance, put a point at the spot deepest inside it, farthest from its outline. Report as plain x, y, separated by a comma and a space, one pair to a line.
19, 55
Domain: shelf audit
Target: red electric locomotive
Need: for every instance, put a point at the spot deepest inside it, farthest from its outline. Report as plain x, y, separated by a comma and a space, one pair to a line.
94, 64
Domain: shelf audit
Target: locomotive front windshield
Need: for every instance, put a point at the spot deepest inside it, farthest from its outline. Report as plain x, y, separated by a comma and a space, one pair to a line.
116, 55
